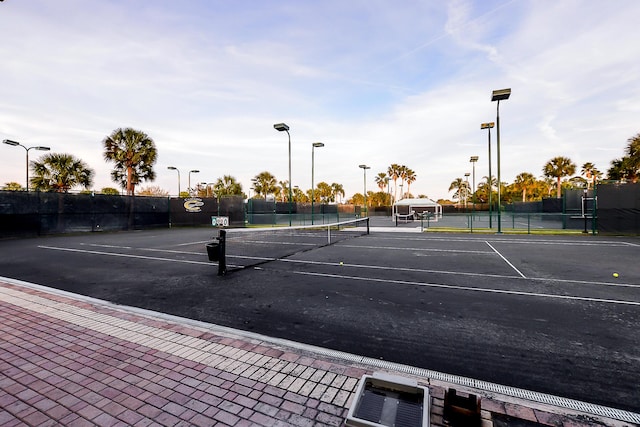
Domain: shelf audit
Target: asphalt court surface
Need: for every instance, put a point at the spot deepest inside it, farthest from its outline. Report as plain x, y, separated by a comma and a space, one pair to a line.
543, 313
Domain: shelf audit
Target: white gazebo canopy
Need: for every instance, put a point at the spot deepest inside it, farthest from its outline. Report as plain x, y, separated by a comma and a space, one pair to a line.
414, 207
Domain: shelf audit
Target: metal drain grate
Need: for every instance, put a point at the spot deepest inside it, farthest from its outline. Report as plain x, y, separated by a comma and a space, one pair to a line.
389, 401
371, 406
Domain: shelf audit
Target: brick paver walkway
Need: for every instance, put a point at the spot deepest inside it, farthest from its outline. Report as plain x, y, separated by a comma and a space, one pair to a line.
73, 361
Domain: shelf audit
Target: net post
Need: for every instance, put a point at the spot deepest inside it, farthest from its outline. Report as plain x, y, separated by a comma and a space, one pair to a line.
222, 263
367, 225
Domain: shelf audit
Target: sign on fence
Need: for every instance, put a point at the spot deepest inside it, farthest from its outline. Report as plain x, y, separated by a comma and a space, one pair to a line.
220, 221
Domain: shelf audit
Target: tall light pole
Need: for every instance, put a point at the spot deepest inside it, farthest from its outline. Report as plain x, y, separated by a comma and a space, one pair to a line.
499, 95
173, 168
473, 161
313, 147
17, 144
466, 190
364, 168
189, 182
488, 126
281, 127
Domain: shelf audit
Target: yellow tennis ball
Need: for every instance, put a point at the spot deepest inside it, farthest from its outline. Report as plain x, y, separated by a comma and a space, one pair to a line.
341, 263
615, 274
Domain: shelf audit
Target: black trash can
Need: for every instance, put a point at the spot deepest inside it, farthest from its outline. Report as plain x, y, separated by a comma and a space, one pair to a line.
213, 250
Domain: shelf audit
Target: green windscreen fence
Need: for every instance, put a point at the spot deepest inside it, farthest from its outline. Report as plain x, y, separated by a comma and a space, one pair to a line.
618, 207
35, 213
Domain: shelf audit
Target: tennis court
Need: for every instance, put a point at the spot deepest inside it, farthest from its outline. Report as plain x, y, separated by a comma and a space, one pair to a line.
543, 313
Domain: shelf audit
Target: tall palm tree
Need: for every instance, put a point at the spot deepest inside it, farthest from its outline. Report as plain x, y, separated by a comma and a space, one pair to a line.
490, 182
134, 154
394, 173
558, 168
402, 173
410, 177
523, 183
460, 186
265, 184
337, 190
381, 180
60, 173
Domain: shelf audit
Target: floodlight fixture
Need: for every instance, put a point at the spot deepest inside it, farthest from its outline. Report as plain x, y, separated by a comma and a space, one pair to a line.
282, 127
500, 94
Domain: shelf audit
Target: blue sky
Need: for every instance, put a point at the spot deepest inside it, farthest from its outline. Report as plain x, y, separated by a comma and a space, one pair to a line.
378, 82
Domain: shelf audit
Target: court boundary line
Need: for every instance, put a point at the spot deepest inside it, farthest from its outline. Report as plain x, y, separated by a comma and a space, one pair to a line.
462, 273
114, 254
483, 237
506, 260
469, 288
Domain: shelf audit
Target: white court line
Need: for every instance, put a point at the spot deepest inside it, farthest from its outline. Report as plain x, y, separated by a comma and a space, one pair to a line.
124, 255
170, 251
455, 273
394, 248
482, 238
106, 246
197, 243
469, 288
506, 260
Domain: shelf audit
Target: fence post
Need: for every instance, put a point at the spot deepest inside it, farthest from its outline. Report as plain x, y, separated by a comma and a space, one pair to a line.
564, 212
594, 213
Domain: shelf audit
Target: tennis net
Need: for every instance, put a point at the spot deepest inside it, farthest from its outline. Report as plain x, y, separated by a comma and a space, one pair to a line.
241, 248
